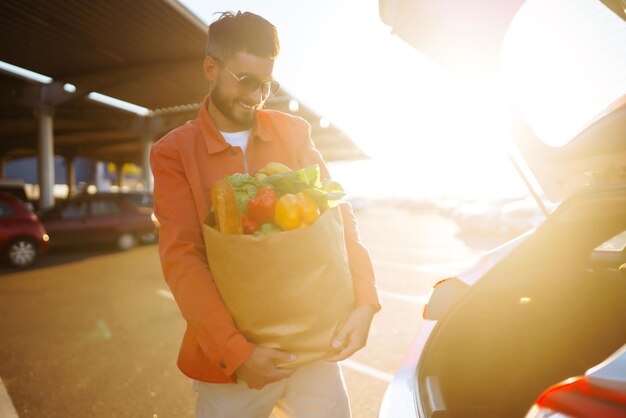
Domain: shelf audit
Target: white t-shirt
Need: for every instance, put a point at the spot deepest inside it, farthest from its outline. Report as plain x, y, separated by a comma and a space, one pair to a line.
238, 139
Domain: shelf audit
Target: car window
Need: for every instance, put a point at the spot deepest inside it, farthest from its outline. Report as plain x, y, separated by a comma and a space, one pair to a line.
135, 198
6, 210
552, 51
101, 207
141, 199
615, 244
610, 256
18, 192
75, 209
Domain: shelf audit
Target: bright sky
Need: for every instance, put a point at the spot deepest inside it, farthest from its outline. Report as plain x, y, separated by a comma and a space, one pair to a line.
429, 132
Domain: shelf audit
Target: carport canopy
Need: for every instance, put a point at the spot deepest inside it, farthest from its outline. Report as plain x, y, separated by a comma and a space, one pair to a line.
145, 52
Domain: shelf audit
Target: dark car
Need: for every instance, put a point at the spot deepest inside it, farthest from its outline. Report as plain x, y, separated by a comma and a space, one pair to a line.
100, 218
22, 237
141, 198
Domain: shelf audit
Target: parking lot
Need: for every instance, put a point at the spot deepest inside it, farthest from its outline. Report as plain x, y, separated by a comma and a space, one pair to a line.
96, 333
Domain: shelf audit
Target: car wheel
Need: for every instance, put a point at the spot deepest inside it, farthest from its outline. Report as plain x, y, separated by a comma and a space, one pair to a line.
22, 252
126, 241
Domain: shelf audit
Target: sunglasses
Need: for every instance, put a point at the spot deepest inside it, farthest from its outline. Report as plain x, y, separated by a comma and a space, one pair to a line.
247, 84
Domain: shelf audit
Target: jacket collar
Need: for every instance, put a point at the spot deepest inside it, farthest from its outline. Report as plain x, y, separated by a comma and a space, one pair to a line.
213, 138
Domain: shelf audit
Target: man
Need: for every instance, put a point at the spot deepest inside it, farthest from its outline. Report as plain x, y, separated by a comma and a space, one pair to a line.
233, 377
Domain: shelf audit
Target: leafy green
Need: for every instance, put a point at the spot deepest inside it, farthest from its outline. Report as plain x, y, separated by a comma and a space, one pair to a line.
245, 187
334, 193
294, 181
306, 180
267, 229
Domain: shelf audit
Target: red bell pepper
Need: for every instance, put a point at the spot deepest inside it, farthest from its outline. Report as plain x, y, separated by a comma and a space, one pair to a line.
261, 206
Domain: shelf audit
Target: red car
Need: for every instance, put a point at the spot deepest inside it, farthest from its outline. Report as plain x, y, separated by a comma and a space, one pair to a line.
101, 218
22, 237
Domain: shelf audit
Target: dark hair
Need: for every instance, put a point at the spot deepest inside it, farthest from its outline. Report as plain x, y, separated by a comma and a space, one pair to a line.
242, 32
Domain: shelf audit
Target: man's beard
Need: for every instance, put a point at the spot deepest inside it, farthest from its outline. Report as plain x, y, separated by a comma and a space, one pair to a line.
226, 107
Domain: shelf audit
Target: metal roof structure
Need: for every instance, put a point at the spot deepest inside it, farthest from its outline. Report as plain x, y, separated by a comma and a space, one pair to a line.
146, 52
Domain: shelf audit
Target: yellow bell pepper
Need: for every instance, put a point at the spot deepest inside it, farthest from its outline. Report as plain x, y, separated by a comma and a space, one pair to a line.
295, 211
286, 213
309, 212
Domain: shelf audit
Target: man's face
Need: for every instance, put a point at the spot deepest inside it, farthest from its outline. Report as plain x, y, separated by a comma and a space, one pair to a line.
233, 109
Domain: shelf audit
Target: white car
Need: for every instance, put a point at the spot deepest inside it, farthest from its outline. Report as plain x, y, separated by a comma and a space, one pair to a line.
521, 216
599, 393
550, 304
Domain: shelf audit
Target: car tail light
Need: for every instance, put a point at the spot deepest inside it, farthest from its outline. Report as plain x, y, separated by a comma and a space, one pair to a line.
424, 314
538, 412
444, 295
579, 398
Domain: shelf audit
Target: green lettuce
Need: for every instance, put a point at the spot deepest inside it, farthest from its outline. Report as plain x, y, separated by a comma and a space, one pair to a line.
326, 194
245, 187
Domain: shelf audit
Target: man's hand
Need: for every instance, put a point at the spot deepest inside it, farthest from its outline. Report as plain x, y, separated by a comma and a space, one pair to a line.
353, 335
259, 370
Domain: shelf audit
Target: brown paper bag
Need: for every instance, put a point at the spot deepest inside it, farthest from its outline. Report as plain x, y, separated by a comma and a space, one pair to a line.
290, 290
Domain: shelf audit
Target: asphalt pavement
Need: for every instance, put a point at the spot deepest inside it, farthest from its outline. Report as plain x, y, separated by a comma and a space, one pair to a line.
95, 333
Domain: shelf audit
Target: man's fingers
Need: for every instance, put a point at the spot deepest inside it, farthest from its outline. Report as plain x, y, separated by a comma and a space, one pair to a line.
272, 376
340, 338
350, 349
347, 352
282, 356
279, 374
276, 375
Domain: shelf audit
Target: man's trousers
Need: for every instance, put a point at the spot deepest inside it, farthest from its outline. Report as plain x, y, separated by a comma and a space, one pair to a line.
313, 391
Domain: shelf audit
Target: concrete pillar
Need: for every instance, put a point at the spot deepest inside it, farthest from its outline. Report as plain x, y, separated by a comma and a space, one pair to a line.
71, 175
101, 183
119, 178
45, 133
148, 178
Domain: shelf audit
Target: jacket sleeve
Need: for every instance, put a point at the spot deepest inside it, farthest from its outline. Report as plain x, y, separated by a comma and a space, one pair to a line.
359, 258
184, 264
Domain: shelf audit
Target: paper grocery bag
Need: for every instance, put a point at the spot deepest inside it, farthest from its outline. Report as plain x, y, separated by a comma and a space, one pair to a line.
288, 290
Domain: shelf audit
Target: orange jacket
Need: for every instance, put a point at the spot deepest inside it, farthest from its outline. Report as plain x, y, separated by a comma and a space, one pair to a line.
185, 164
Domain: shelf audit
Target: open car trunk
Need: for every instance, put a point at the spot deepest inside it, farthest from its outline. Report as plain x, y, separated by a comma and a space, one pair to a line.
549, 311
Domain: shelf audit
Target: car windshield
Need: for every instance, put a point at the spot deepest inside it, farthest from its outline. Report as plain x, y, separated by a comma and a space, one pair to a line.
5, 209
548, 64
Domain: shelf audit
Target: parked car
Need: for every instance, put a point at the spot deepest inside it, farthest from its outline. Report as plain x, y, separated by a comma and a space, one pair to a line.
141, 198
551, 303
22, 236
100, 218
17, 188
599, 393
482, 217
522, 215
